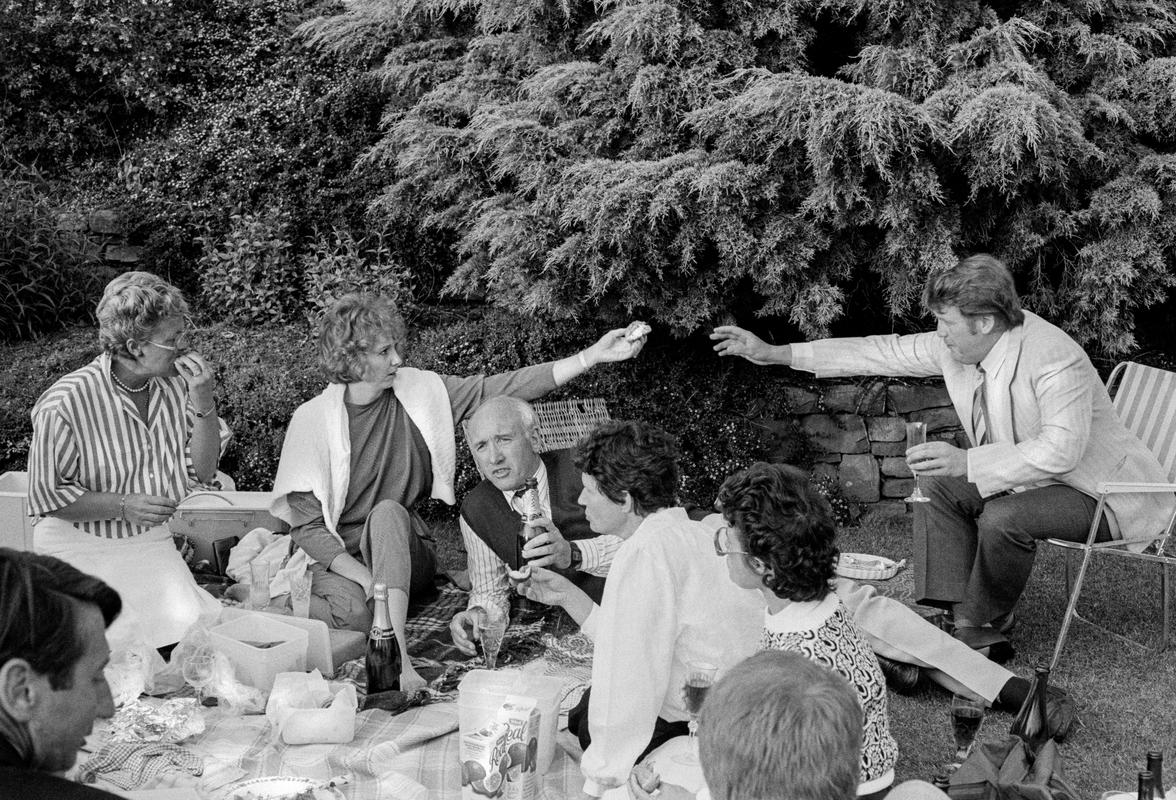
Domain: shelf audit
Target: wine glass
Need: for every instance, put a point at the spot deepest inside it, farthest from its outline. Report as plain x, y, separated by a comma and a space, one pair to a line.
492, 634
700, 676
966, 715
916, 433
199, 670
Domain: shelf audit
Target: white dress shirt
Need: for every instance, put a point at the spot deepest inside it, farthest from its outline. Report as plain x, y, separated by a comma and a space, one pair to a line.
668, 601
488, 580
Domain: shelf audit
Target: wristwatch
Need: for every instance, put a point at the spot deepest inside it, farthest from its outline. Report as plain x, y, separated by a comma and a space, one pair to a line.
577, 557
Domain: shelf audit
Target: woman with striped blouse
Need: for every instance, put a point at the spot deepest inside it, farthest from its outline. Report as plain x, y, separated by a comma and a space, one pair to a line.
117, 445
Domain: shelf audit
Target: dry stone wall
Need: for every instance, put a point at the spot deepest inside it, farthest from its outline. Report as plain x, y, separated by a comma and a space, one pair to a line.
856, 433
104, 230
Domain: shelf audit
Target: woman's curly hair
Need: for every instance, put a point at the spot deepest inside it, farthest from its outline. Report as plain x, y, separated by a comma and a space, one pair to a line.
349, 330
787, 525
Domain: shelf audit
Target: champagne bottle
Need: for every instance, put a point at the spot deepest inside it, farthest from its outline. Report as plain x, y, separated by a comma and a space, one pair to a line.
1155, 765
1145, 786
383, 651
1031, 724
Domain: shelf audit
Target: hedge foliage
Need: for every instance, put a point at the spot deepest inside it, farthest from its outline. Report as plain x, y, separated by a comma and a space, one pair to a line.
799, 159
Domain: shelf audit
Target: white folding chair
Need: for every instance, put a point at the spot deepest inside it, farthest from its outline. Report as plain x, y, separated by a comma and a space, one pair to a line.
1145, 400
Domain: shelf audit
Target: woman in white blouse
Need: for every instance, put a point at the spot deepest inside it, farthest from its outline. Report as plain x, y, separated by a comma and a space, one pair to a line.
117, 445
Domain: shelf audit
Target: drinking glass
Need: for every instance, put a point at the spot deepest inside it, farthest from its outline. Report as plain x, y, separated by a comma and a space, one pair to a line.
966, 715
700, 676
260, 575
916, 433
199, 670
492, 633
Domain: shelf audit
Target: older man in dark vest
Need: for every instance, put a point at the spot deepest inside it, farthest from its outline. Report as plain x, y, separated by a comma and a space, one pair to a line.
502, 438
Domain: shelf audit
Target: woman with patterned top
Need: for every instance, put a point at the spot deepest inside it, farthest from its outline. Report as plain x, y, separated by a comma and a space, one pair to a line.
779, 539
117, 445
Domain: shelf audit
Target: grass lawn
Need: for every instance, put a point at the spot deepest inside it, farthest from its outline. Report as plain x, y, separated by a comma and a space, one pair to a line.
1126, 697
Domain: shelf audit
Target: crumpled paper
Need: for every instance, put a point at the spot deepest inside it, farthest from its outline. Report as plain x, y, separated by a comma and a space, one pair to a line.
304, 709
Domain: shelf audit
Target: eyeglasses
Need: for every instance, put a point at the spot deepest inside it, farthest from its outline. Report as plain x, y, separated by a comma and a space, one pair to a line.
723, 543
182, 343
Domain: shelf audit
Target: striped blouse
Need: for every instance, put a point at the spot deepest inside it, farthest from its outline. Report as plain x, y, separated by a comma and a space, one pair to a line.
88, 437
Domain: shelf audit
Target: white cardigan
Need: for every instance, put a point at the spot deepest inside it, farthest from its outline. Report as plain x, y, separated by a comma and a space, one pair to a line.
316, 455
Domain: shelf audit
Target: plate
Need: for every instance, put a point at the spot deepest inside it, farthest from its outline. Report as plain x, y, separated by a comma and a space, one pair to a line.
281, 788
866, 567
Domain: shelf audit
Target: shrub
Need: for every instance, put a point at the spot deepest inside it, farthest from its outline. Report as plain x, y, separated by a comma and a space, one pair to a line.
335, 265
47, 276
251, 275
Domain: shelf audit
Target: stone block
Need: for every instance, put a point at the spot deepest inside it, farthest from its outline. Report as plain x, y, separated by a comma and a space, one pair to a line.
858, 476
123, 253
888, 448
937, 419
71, 221
782, 440
851, 398
825, 470
895, 468
886, 429
106, 220
836, 433
826, 458
905, 398
800, 401
897, 487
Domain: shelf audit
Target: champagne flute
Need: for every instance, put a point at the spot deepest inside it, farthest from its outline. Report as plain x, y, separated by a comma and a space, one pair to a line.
492, 634
700, 676
966, 715
916, 433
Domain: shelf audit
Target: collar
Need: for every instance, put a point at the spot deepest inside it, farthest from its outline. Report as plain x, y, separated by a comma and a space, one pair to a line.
995, 359
540, 477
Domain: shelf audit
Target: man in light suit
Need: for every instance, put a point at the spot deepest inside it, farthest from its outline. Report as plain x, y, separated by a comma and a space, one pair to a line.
1044, 437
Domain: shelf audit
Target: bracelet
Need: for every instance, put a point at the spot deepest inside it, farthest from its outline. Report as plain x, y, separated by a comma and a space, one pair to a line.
122, 508
583, 361
211, 410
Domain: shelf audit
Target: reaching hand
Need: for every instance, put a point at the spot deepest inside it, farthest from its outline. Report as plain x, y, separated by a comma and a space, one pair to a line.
547, 547
613, 346
733, 341
547, 587
466, 628
148, 509
938, 458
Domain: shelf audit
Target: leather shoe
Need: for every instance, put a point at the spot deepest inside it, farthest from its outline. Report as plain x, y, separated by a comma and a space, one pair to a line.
982, 639
902, 678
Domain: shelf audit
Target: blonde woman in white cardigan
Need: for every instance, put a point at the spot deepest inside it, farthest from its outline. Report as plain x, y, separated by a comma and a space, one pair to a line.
379, 439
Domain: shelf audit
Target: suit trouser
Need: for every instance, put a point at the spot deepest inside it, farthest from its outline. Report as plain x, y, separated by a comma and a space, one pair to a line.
899, 633
977, 553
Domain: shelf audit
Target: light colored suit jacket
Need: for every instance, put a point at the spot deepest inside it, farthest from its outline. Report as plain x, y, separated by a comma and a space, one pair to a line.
1049, 411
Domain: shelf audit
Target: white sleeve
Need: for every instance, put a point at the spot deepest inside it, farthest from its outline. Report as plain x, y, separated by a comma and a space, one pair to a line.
636, 628
488, 583
598, 553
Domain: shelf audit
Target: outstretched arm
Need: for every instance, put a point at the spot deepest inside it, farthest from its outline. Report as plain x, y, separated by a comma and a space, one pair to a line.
613, 346
734, 341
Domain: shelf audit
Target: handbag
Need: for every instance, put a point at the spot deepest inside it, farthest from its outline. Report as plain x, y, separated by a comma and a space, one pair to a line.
1008, 770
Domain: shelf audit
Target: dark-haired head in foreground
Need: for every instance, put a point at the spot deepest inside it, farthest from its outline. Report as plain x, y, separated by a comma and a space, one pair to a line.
631, 464
53, 621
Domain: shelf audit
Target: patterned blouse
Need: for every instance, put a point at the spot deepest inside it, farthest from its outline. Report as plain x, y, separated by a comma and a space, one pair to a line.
88, 437
823, 631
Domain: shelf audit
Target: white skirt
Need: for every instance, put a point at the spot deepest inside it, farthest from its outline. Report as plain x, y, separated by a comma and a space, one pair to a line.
160, 598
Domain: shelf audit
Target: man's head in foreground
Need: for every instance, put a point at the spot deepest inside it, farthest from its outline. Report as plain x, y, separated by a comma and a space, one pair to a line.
53, 649
502, 438
781, 726
629, 470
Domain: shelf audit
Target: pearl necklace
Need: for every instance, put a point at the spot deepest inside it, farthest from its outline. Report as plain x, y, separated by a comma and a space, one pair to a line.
126, 388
